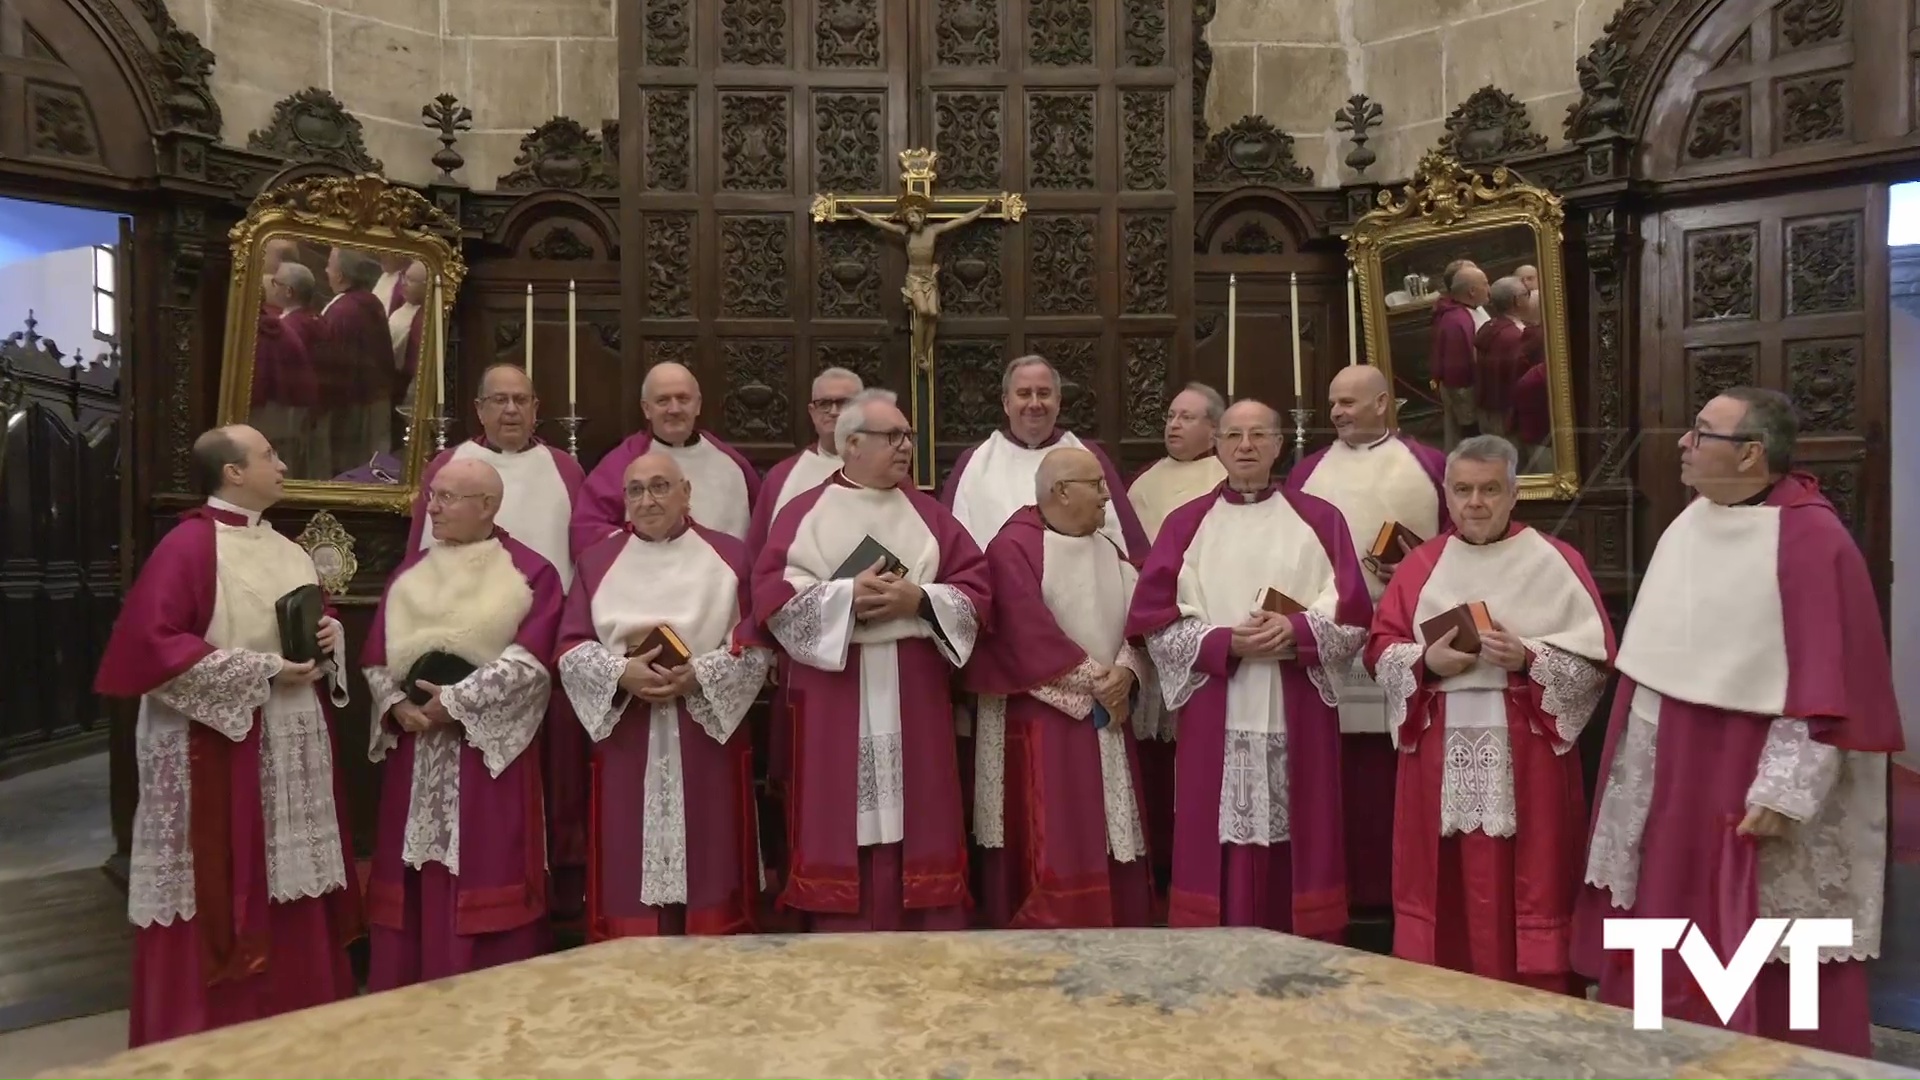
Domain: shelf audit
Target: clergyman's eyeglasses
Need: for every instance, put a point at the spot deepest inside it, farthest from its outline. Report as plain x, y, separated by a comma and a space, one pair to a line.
829, 404
896, 437
659, 487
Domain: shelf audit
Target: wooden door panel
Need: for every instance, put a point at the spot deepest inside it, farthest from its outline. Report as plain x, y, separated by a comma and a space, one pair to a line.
1788, 293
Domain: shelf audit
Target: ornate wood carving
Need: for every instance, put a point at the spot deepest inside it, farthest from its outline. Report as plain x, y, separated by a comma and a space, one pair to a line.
1250, 151
1148, 369
666, 32
847, 274
561, 153
61, 123
969, 386
1603, 74
669, 247
1719, 126
758, 407
1360, 115
667, 149
1823, 380
1145, 37
1840, 483
1060, 33
1252, 238
1824, 264
967, 33
1203, 11
1146, 239
849, 141
1804, 23
1722, 274
1143, 117
312, 125
1077, 361
1489, 126
863, 358
659, 350
753, 260
970, 279
753, 32
561, 244
1604, 244
1812, 108
1060, 140
967, 134
448, 118
1712, 370
1061, 261
754, 144
847, 34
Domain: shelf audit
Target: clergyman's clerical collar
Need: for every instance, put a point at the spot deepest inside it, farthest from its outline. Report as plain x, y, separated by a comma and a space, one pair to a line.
1379, 442
691, 440
843, 480
225, 507
677, 532
1232, 495
489, 444
1760, 497
1053, 436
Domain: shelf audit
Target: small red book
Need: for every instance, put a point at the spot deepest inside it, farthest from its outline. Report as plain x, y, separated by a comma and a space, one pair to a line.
1386, 548
1469, 618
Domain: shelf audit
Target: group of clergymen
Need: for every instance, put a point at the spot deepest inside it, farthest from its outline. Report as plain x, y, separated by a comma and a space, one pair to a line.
1359, 687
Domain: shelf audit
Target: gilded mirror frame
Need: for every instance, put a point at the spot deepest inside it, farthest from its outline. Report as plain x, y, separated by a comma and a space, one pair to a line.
363, 212
1447, 199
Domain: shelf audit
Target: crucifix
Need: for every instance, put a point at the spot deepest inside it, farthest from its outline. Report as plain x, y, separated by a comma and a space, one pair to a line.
919, 219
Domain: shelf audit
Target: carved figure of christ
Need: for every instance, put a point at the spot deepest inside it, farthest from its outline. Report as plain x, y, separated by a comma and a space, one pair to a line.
922, 286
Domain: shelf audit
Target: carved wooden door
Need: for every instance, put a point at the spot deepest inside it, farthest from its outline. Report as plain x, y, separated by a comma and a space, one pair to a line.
1788, 293
741, 110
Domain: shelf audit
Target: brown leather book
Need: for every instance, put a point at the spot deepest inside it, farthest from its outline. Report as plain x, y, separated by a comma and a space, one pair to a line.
673, 651
1279, 603
1469, 618
1386, 545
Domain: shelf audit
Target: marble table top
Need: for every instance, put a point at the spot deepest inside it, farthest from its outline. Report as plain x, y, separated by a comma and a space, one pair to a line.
1086, 1003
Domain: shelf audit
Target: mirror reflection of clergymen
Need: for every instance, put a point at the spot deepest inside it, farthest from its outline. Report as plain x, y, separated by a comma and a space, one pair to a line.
922, 286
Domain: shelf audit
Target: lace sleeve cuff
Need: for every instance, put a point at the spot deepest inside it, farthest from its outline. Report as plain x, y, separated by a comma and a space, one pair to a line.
1333, 645
1175, 650
223, 690
956, 624
590, 677
500, 706
1071, 693
1570, 688
337, 677
816, 626
385, 687
1397, 673
1795, 772
728, 685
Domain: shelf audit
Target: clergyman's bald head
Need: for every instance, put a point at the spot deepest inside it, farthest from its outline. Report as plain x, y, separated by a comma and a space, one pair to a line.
1359, 380
654, 463
1250, 413
471, 476
1065, 463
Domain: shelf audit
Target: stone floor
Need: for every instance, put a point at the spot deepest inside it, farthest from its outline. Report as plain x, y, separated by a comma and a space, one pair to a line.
56, 820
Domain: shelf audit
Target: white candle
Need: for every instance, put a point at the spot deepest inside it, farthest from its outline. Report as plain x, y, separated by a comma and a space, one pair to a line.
439, 350
1293, 304
1353, 321
573, 350
527, 335
1233, 306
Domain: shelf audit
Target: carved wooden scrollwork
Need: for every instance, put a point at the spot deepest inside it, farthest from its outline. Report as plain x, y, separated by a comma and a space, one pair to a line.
1813, 109
667, 33
1603, 74
1719, 126
1147, 241
1801, 24
1060, 140
967, 134
1077, 359
1062, 263
1252, 238
754, 259
667, 152
753, 32
1145, 35
847, 34
1823, 380
1060, 32
561, 244
967, 33
1722, 274
847, 274
863, 358
561, 153
970, 279
758, 407
754, 141
969, 387
1144, 164
1712, 370
659, 350
312, 125
1443, 191
1250, 151
1489, 126
848, 141
363, 203
61, 124
1825, 264
669, 248
1147, 369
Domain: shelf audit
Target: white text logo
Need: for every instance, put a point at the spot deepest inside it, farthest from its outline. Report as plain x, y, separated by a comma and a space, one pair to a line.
1725, 985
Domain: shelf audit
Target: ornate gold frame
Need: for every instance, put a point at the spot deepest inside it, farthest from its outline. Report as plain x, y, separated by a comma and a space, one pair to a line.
367, 212
1447, 198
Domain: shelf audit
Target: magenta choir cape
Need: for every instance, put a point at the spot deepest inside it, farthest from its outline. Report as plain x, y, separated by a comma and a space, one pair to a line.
825, 857
1055, 821
1316, 839
235, 935
601, 507
502, 884
720, 840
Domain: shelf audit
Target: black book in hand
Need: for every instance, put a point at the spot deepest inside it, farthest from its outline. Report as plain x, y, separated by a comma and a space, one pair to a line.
438, 668
869, 552
299, 613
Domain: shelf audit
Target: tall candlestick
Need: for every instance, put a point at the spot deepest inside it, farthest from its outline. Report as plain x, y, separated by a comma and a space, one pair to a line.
1293, 307
573, 350
1233, 326
1353, 321
439, 350
527, 334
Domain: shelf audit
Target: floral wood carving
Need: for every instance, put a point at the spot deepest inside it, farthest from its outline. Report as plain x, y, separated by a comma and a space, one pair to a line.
1077, 361
847, 274
970, 281
560, 153
363, 203
187, 67
967, 134
1822, 378
1203, 11
753, 32
1813, 108
1061, 262
1490, 125
753, 256
561, 244
1801, 23
62, 123
1721, 274
669, 246
667, 149
847, 140
847, 34
968, 392
1360, 115
448, 118
1144, 165
863, 358
1251, 151
1060, 32
312, 125
754, 143
668, 33
1060, 140
1718, 127
758, 407
1603, 73
1712, 370
1443, 190
967, 33
1252, 238
1145, 34
1147, 366
1147, 240
1824, 265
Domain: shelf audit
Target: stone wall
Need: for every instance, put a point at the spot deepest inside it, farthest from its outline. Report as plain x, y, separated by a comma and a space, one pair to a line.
515, 63
1296, 62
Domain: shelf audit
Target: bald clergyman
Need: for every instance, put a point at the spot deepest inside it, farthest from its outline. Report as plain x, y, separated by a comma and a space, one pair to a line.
725, 486
459, 877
